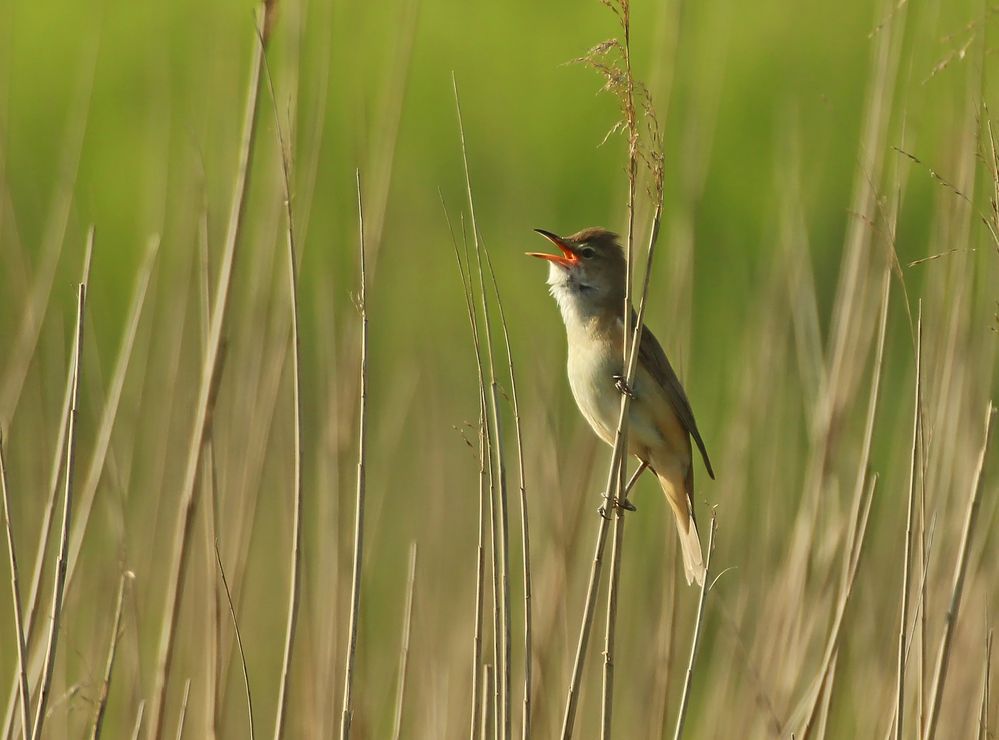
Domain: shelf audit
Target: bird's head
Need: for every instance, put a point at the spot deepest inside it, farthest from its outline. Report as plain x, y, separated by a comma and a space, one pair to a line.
588, 275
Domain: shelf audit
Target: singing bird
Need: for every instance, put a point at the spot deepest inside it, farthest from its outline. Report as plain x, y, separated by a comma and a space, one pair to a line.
587, 280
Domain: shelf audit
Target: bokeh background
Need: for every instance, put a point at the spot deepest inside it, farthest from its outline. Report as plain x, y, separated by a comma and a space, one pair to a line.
787, 201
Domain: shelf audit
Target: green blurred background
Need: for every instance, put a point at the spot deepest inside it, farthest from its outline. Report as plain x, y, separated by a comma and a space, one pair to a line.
762, 106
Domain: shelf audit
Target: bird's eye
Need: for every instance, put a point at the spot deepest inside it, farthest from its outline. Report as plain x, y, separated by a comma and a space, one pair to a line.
586, 252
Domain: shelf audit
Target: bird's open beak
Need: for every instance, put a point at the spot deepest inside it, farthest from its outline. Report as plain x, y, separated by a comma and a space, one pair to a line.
568, 258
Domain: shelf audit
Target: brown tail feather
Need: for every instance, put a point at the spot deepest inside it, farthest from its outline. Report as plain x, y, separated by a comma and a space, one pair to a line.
679, 493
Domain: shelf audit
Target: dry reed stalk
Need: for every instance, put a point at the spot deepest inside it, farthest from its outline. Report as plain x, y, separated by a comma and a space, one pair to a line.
239, 643
913, 462
294, 577
858, 528
346, 714
960, 568
622, 83
525, 537
983, 712
15, 591
202, 422
139, 715
407, 621
698, 624
617, 539
45, 682
484, 466
56, 470
102, 699
109, 412
569, 718
664, 652
858, 522
501, 533
182, 717
487, 690
210, 487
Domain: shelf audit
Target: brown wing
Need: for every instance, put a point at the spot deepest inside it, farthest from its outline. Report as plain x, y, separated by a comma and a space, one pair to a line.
652, 356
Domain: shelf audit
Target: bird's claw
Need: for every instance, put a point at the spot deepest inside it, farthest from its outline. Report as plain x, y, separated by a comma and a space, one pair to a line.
621, 383
622, 504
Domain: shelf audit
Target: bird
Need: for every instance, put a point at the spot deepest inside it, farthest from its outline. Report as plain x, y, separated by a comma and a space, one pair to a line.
587, 280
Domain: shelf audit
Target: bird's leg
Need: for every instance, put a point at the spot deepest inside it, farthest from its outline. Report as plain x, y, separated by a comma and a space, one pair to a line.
621, 383
622, 501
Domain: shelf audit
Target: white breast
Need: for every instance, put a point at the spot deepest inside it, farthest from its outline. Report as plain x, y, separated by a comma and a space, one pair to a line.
592, 365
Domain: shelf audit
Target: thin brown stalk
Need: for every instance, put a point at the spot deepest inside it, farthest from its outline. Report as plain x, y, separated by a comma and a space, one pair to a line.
407, 621
109, 413
15, 590
983, 712
208, 482
617, 538
503, 670
487, 689
525, 536
239, 643
853, 544
102, 699
346, 714
45, 683
615, 494
569, 718
858, 527
202, 421
56, 470
960, 568
183, 709
630, 345
484, 467
688, 680
916, 617
913, 462
139, 715
294, 576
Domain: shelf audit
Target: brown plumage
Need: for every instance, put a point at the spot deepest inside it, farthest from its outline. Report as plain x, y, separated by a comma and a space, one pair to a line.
587, 281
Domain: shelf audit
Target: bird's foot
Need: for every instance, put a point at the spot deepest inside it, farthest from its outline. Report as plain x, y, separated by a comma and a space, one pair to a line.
621, 383
617, 503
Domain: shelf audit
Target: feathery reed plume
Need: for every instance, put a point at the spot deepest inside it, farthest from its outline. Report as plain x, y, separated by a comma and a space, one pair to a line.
102, 699
960, 569
346, 714
294, 578
205, 401
407, 620
15, 594
67, 510
695, 640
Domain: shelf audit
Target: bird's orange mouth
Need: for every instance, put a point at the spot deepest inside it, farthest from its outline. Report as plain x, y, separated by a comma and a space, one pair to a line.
568, 258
